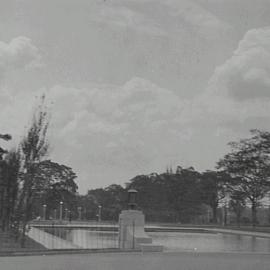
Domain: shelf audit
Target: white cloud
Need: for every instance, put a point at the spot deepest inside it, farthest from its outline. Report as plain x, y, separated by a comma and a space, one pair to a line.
109, 133
126, 18
246, 75
107, 129
138, 111
201, 20
113, 130
146, 17
18, 53
239, 90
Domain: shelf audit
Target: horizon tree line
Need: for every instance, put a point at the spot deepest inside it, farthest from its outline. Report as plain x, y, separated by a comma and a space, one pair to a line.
242, 177
29, 179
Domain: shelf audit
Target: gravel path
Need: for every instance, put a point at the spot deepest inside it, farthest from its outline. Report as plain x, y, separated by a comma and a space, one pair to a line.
139, 261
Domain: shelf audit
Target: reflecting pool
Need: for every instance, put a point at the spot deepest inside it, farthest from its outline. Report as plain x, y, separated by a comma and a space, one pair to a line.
210, 242
172, 241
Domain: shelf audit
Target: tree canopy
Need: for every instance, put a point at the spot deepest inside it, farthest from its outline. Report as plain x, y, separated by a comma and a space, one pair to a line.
248, 163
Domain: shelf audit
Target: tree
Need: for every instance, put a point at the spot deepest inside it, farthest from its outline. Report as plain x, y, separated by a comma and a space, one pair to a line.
237, 204
34, 148
185, 194
249, 165
213, 188
5, 137
11, 182
153, 191
110, 198
54, 182
3, 181
169, 196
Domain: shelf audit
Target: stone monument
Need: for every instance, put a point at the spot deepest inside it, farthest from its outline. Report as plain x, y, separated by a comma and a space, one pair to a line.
131, 228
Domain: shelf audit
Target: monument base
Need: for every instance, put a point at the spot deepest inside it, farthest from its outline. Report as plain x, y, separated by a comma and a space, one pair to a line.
132, 234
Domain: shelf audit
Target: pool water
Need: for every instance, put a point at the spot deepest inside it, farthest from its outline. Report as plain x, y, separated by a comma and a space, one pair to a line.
211, 242
172, 241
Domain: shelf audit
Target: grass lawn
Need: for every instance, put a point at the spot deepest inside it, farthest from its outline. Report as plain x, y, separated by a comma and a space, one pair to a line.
9, 243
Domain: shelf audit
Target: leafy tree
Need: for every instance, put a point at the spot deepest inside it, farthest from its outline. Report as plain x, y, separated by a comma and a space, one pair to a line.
152, 195
54, 182
34, 148
185, 194
5, 137
169, 196
249, 165
148, 187
213, 187
3, 190
11, 183
115, 201
237, 204
111, 199
89, 206
49, 173
3, 181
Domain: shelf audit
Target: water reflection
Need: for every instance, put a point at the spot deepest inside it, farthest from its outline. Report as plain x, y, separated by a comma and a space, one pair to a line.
84, 238
93, 239
211, 242
172, 241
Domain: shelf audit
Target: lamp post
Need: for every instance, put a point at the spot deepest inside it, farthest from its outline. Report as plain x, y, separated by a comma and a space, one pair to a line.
44, 211
132, 199
80, 212
61, 211
208, 216
225, 215
99, 213
269, 209
66, 214
69, 216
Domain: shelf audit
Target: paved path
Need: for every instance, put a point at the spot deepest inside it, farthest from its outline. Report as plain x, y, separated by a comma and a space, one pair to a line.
257, 234
139, 261
151, 228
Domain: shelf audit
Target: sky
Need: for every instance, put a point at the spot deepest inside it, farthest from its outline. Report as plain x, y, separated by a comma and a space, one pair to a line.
135, 86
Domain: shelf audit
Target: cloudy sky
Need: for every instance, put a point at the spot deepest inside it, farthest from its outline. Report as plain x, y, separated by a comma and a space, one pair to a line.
135, 86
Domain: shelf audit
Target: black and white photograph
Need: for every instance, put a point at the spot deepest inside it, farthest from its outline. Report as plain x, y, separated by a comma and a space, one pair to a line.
134, 134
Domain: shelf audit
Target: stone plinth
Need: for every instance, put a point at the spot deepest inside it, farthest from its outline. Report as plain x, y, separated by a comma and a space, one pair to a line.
131, 231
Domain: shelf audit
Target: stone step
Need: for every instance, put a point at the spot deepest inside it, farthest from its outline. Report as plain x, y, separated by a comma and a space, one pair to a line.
151, 248
143, 240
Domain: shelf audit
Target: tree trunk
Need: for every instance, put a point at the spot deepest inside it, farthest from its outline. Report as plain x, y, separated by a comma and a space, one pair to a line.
2, 201
225, 216
254, 213
26, 217
4, 209
238, 217
214, 214
214, 211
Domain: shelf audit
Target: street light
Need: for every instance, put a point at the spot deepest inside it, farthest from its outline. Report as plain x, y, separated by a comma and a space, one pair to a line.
132, 199
69, 215
44, 211
99, 213
80, 212
66, 214
55, 214
269, 209
61, 211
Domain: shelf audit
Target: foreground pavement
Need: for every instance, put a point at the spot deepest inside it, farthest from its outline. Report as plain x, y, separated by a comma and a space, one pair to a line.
139, 261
